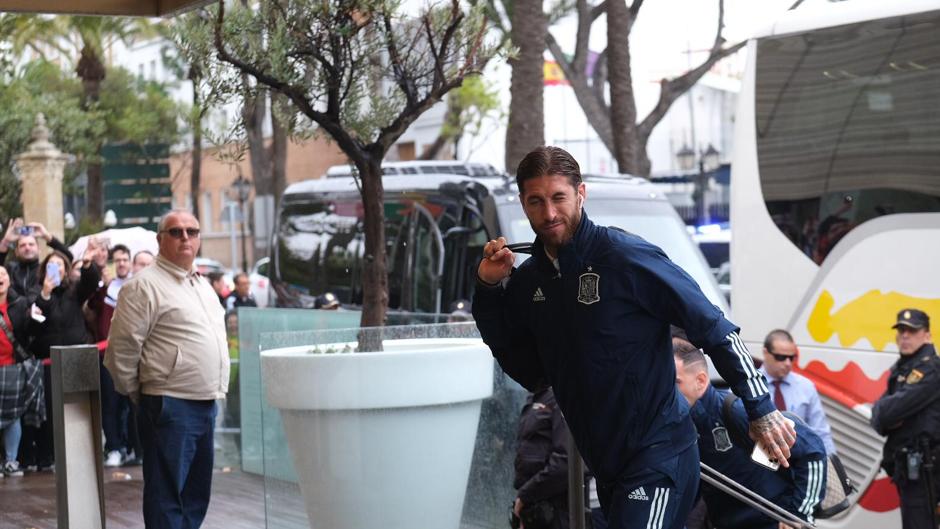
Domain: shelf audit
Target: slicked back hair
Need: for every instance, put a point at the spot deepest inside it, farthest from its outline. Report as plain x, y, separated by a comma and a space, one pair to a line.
688, 353
773, 336
545, 161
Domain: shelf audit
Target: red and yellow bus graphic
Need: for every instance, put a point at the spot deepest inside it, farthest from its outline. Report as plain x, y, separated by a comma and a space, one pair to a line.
868, 316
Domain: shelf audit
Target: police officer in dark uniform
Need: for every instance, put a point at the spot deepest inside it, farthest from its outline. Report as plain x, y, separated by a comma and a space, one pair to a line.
541, 465
909, 415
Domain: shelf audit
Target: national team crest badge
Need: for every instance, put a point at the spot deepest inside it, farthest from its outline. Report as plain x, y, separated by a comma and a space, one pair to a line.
588, 289
722, 439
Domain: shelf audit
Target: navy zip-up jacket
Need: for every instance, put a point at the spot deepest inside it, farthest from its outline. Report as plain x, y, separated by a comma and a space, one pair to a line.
598, 333
797, 489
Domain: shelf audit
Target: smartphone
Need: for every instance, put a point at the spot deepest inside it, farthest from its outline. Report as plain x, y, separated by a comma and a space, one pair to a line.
52, 270
26, 230
760, 457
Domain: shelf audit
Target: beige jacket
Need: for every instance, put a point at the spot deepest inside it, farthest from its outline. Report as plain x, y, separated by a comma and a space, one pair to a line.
168, 336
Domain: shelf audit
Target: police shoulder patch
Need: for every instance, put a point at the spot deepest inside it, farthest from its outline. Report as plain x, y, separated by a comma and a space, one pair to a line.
914, 377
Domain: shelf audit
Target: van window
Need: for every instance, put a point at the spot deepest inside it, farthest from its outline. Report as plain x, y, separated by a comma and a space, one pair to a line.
321, 247
654, 221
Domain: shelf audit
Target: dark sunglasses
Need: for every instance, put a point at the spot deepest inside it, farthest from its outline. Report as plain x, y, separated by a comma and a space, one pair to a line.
783, 358
177, 233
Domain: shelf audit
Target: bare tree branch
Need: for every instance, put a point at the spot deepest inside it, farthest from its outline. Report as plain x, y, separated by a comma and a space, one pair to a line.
598, 10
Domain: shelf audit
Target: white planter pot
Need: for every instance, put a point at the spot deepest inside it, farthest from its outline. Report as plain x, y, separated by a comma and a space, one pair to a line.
382, 440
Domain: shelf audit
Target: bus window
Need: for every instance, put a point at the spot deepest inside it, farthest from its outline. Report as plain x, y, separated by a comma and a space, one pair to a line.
848, 123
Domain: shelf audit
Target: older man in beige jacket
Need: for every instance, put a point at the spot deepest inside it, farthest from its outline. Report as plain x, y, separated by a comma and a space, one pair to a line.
167, 350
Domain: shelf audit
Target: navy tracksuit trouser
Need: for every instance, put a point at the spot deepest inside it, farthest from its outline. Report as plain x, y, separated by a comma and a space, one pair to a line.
177, 439
651, 499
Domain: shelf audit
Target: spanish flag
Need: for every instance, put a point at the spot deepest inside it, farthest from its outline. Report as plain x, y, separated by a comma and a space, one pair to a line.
553, 74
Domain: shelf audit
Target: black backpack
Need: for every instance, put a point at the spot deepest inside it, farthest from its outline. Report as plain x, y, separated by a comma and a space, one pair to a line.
838, 484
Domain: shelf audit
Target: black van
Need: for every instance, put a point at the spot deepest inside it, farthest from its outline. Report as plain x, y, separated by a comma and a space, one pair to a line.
436, 227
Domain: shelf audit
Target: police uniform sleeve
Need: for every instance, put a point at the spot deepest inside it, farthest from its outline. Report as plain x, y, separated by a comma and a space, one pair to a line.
667, 292
808, 468
497, 313
921, 388
552, 480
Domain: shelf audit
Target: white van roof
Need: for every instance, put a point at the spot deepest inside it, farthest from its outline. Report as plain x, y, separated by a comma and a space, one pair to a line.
612, 186
423, 167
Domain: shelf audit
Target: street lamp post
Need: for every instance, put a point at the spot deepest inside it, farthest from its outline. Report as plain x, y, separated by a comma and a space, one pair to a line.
708, 161
241, 188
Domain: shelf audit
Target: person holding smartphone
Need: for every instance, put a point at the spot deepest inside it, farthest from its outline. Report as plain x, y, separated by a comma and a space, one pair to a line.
56, 319
725, 446
21, 238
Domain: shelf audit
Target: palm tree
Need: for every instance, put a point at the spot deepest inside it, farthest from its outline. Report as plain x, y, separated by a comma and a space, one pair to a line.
82, 40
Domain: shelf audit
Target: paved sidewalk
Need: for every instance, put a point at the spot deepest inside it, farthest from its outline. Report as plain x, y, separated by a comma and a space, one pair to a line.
29, 502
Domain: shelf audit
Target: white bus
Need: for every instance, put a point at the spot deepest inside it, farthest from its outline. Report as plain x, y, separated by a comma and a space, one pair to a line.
835, 207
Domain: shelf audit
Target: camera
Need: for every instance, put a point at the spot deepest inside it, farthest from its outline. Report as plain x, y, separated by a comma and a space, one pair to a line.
26, 230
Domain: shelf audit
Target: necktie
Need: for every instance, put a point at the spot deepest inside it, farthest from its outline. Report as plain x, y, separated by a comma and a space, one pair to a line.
778, 397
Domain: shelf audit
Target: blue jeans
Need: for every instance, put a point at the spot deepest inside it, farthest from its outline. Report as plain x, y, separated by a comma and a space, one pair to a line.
177, 440
11, 440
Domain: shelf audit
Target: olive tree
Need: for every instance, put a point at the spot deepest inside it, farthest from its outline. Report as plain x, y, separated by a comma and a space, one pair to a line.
360, 71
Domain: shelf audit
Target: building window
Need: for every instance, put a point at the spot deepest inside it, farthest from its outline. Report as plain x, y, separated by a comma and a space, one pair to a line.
205, 212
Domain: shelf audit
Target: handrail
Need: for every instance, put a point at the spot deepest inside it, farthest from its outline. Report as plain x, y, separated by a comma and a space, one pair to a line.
751, 498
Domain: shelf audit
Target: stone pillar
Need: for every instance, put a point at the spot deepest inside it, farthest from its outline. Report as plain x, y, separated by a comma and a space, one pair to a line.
41, 168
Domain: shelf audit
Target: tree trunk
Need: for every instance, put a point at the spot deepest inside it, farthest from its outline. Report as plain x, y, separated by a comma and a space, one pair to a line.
435, 148
195, 176
91, 71
279, 139
589, 99
526, 129
253, 113
622, 103
375, 264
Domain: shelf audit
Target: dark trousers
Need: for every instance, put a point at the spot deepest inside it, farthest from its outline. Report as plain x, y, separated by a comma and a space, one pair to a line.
37, 446
655, 498
114, 411
914, 511
177, 439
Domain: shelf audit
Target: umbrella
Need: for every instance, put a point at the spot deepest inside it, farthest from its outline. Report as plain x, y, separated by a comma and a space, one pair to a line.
136, 239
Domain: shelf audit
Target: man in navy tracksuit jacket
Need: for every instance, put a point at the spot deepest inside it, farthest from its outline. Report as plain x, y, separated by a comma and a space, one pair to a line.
724, 445
589, 314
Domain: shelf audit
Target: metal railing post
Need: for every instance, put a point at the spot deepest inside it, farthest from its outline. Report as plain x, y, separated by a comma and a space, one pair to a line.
76, 416
575, 486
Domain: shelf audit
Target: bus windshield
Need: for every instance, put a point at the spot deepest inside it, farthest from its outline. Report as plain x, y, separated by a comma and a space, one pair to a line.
654, 221
848, 124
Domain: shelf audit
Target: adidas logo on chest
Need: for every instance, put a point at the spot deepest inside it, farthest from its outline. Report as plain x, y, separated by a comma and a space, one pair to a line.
538, 296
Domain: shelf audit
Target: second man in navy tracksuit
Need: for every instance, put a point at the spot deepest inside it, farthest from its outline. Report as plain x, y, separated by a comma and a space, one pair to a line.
723, 445
589, 314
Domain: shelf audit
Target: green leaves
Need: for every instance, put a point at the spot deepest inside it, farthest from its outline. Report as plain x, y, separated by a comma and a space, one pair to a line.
130, 110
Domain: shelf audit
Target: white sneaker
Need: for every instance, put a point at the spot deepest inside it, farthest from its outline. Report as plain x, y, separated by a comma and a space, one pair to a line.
11, 469
114, 459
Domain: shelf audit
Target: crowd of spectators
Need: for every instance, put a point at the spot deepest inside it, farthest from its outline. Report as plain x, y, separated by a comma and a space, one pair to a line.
50, 299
